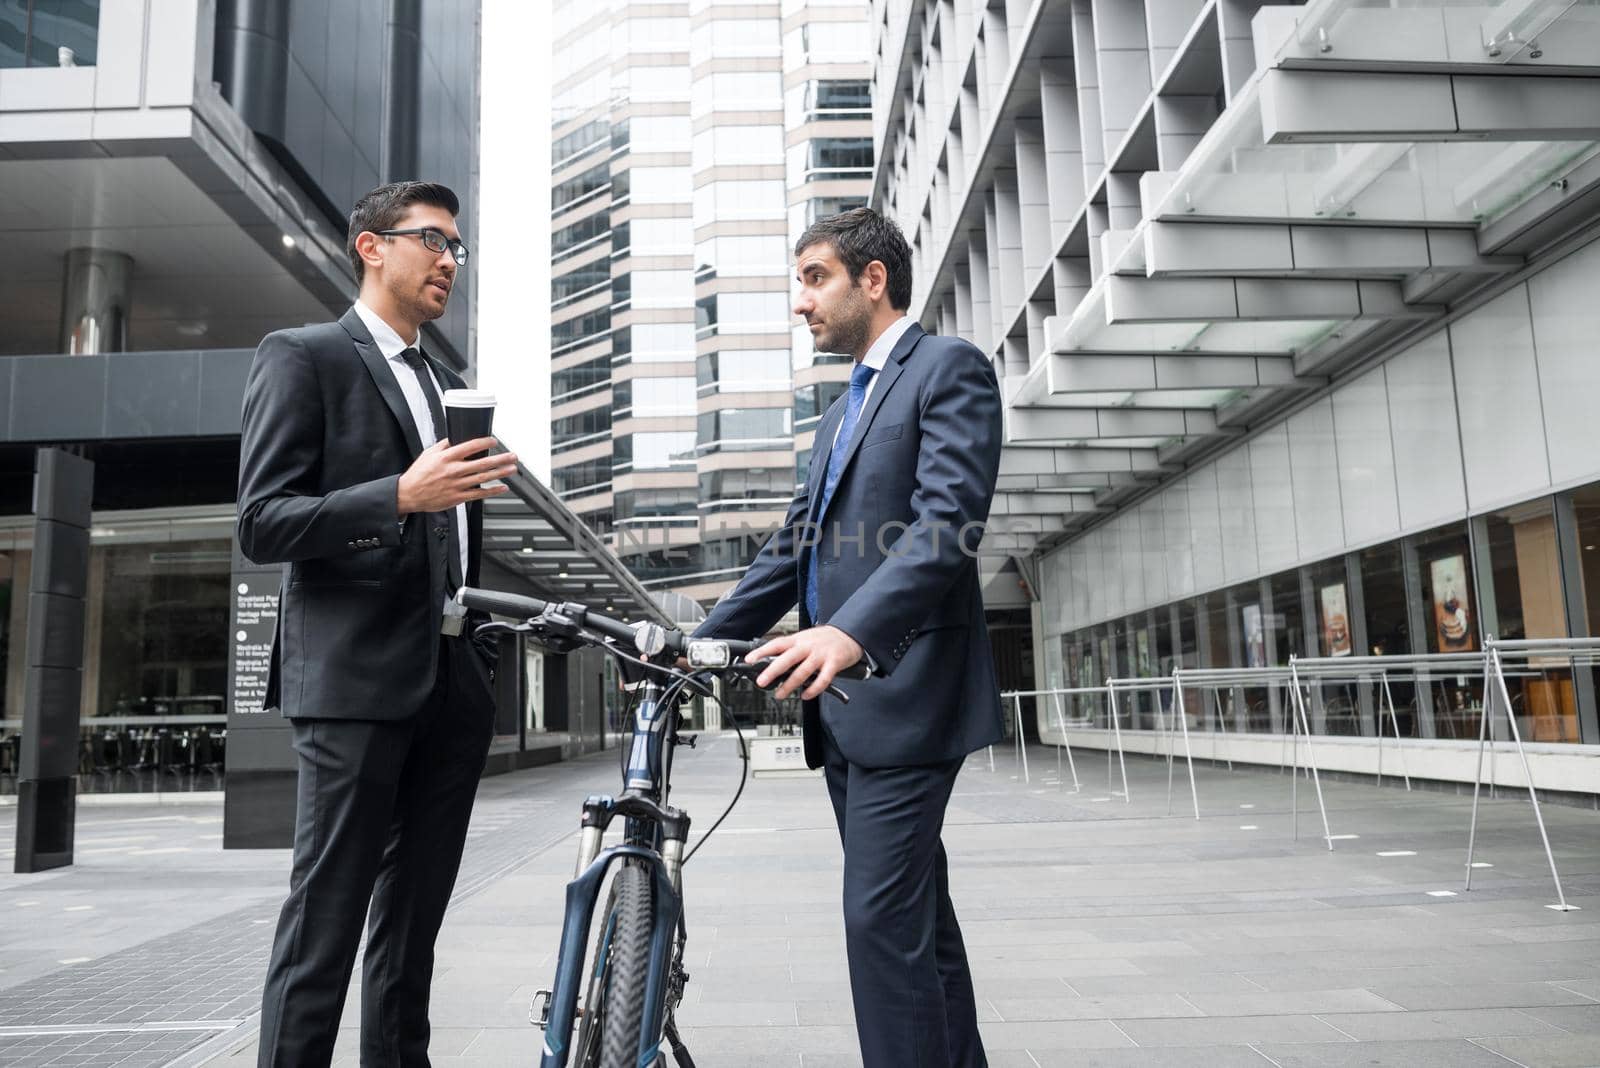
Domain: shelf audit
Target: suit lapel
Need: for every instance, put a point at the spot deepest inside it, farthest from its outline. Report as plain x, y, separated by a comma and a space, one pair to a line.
383, 378
886, 380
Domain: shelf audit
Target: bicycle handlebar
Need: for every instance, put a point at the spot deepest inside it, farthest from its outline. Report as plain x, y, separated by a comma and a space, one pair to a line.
672, 641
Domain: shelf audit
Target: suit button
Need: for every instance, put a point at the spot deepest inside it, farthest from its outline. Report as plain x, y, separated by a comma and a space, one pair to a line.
351, 544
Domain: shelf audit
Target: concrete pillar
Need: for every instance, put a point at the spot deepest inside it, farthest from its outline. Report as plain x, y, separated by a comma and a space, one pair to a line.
94, 302
402, 93
63, 490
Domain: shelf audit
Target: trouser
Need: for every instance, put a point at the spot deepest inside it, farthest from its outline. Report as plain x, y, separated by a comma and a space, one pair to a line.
381, 817
909, 979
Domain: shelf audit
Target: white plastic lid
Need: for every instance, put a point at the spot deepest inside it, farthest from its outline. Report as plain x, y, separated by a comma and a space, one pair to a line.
468, 398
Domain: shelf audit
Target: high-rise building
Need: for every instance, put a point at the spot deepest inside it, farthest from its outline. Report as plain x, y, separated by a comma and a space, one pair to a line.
1292, 309
176, 179
692, 143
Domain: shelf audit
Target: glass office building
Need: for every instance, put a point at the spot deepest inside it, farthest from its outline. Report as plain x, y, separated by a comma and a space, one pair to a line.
174, 184
693, 142
1292, 308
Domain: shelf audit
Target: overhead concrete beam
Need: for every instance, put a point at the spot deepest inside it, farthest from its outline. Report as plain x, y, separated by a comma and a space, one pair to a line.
1105, 424
1309, 107
1131, 301
1041, 461
1216, 249
1099, 373
1044, 504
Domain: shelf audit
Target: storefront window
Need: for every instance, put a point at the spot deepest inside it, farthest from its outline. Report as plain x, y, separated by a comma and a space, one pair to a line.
1450, 622
162, 643
1525, 563
1287, 622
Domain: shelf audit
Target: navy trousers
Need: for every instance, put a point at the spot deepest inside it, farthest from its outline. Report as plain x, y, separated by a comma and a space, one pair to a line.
909, 979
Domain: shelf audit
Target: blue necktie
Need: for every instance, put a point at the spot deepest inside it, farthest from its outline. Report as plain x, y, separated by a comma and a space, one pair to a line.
830, 479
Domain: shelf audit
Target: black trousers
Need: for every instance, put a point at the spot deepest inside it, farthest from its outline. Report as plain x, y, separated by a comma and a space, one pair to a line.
381, 817
909, 979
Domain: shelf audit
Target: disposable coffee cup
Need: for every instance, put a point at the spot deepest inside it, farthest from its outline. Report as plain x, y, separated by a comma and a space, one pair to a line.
468, 414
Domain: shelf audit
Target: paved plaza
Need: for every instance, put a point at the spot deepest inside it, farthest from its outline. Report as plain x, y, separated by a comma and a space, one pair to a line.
1101, 932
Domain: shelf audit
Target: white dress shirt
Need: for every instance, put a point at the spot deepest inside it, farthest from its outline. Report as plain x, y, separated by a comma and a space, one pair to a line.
391, 345
878, 355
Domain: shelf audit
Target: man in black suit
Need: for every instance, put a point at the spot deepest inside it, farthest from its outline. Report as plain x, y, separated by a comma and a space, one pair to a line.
346, 479
879, 550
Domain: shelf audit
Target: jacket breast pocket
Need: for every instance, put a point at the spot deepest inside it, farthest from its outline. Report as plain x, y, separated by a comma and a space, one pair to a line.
880, 434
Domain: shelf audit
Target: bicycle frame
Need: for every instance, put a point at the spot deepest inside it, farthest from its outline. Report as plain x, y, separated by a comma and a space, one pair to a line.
648, 822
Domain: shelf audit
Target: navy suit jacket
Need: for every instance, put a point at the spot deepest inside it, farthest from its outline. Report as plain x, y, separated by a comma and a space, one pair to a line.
897, 560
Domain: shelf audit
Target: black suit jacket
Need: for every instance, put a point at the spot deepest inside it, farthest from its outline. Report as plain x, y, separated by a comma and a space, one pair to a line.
327, 434
897, 560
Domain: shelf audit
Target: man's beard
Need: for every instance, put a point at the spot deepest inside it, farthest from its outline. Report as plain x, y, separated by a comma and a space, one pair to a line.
848, 336
417, 303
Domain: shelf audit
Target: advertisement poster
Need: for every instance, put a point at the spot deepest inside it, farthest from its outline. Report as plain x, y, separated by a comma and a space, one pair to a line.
1452, 620
1335, 621
1255, 641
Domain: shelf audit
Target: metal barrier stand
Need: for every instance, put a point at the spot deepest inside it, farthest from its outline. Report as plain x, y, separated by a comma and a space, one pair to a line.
1061, 726
1157, 685
1574, 651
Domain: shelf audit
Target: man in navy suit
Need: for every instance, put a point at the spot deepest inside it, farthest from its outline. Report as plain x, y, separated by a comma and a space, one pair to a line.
879, 550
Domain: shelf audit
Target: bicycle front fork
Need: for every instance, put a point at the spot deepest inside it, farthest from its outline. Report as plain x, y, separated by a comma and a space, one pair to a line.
559, 1009
598, 812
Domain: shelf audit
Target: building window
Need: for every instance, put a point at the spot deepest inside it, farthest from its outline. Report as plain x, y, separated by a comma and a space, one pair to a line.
1525, 568
744, 429
742, 371
656, 451
581, 479
582, 330
655, 504
653, 397
570, 239
761, 487
839, 154
575, 431
564, 149
565, 194
49, 33
810, 402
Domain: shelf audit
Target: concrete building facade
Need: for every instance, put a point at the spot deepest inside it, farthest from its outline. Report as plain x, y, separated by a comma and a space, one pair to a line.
175, 178
1288, 303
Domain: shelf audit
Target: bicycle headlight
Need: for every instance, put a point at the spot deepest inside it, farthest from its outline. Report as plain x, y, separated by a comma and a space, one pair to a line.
706, 653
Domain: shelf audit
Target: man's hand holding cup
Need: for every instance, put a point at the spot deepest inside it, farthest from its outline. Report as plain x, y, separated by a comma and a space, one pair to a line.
446, 475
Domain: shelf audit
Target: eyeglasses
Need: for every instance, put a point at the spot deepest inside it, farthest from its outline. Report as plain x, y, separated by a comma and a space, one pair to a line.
434, 241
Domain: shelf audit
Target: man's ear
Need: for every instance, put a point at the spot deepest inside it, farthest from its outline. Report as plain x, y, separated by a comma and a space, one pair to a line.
371, 248
875, 277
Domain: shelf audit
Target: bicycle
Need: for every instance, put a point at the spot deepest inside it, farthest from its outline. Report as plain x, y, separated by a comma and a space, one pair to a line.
637, 979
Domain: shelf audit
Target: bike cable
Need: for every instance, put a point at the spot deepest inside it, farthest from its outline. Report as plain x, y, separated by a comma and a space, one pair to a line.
744, 776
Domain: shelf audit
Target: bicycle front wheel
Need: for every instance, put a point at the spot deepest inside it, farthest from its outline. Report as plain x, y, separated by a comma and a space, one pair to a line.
628, 966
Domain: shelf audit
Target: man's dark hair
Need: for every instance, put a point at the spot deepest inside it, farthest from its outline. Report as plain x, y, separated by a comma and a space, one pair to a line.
386, 205
860, 236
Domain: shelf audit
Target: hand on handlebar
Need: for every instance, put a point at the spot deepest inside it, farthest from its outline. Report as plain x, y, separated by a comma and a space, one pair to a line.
817, 654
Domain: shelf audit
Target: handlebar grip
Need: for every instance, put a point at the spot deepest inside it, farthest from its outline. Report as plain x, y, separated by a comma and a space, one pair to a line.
498, 603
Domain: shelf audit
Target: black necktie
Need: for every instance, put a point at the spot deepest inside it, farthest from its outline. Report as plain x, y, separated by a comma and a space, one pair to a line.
419, 366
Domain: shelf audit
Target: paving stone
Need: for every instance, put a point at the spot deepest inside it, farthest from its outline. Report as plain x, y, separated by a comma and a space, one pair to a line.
1443, 1053
1089, 926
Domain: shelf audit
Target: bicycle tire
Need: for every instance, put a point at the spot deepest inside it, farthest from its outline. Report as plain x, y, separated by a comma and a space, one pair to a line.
628, 965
